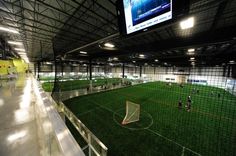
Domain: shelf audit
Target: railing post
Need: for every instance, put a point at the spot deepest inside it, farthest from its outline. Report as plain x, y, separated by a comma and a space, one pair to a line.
89, 143
84, 132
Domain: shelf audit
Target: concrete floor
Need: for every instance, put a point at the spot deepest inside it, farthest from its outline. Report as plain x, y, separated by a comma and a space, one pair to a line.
18, 129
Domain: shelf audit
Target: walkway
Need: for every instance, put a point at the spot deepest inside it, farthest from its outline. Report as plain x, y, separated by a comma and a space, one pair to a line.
18, 130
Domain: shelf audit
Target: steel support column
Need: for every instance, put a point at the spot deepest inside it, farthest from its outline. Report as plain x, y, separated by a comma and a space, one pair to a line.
123, 70
90, 70
38, 69
140, 71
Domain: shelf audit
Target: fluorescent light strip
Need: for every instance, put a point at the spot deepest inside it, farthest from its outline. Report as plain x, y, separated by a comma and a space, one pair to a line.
20, 49
141, 55
15, 43
83, 52
191, 50
21, 53
8, 30
109, 45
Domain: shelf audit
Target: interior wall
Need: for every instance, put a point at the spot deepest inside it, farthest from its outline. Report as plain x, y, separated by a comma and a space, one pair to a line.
116, 71
213, 76
20, 65
4, 65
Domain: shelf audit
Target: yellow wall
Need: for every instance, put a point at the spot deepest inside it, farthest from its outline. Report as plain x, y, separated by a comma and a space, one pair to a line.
4, 64
20, 66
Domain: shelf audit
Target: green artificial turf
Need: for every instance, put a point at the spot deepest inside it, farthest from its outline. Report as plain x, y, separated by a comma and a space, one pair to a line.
208, 129
78, 84
41, 78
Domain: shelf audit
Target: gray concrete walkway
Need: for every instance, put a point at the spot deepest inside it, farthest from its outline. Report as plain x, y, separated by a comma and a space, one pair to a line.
18, 129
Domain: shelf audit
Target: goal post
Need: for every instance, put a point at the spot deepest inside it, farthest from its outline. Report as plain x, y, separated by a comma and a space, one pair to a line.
132, 113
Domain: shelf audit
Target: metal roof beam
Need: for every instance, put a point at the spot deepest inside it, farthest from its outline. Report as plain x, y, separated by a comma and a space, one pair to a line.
67, 14
219, 13
47, 17
111, 13
45, 30
100, 17
42, 24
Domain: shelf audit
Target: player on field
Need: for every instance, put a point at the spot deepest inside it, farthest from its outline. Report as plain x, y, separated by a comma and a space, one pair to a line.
198, 91
180, 103
189, 102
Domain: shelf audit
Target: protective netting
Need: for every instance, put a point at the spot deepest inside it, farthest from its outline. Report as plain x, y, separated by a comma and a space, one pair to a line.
189, 110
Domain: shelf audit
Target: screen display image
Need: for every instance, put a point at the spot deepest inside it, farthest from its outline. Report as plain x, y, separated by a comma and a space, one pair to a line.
141, 14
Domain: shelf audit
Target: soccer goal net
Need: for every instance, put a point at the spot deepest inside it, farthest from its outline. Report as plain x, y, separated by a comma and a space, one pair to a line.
132, 113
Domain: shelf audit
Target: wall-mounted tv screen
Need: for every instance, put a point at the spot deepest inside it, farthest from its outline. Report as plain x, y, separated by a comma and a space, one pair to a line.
141, 14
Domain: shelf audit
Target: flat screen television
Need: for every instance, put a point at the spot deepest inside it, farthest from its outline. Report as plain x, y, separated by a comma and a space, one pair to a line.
139, 15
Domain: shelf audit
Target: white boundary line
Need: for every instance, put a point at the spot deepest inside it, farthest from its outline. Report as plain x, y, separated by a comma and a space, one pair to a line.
86, 112
152, 131
197, 110
174, 143
115, 113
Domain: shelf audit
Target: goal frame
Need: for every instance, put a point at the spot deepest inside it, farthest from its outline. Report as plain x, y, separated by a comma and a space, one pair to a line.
126, 118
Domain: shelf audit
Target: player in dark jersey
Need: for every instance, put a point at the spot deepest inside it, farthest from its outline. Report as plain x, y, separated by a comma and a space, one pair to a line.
180, 104
189, 102
198, 91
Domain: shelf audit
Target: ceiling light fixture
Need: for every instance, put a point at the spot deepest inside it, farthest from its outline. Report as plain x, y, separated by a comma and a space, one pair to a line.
21, 53
83, 52
9, 30
20, 49
109, 45
48, 63
232, 62
141, 55
115, 58
191, 50
187, 23
26, 60
15, 43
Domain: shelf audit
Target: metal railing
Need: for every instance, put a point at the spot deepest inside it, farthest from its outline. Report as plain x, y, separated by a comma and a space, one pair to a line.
95, 146
54, 136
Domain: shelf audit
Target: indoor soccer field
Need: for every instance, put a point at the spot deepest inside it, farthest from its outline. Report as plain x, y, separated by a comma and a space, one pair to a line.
164, 128
68, 85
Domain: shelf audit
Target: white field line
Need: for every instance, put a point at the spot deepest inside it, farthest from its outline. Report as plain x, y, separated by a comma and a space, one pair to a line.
152, 131
86, 112
158, 134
